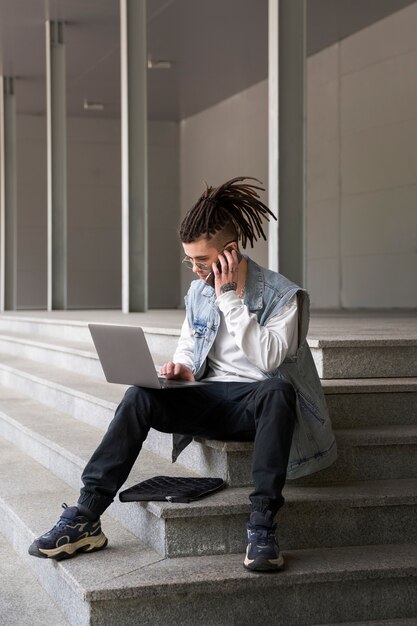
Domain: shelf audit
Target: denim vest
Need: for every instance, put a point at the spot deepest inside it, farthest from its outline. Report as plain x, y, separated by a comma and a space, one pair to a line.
266, 292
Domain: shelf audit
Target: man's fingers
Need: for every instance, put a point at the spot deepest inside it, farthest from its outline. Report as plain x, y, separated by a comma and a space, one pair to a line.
176, 370
167, 368
223, 263
231, 261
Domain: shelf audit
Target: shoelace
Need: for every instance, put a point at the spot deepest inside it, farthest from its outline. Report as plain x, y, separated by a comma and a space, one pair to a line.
262, 534
61, 523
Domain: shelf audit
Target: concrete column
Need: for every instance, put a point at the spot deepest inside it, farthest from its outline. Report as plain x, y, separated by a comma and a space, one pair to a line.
134, 155
8, 208
287, 163
273, 131
56, 165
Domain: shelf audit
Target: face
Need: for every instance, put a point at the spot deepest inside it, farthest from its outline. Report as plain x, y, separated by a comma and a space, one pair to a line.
202, 253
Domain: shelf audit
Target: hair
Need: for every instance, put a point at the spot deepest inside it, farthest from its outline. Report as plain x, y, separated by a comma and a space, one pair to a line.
232, 210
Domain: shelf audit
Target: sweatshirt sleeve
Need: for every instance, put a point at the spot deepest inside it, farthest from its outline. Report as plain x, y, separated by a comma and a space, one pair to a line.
184, 352
264, 346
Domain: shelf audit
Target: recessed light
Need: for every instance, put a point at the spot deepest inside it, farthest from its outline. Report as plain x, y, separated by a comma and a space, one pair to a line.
89, 105
159, 64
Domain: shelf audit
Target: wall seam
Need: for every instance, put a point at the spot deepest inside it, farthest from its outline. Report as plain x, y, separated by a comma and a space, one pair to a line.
339, 182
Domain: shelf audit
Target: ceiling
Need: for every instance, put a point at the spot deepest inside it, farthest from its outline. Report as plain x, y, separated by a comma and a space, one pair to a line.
217, 48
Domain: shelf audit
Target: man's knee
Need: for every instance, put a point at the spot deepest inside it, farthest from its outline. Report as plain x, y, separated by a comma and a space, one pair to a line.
278, 384
134, 395
138, 400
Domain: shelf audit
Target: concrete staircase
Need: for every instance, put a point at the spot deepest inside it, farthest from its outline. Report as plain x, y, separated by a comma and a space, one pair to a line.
349, 533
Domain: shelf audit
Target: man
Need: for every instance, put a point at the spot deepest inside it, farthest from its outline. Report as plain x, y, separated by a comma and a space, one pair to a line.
245, 336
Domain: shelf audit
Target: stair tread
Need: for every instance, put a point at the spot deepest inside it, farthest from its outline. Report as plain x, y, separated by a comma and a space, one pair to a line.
58, 375
72, 381
128, 568
77, 440
100, 317
411, 621
386, 434
369, 385
23, 601
71, 437
83, 348
361, 342
157, 320
106, 392
378, 435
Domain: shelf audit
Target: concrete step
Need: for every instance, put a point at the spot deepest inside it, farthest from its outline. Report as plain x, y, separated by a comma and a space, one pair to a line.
75, 356
385, 622
129, 583
356, 403
359, 357
371, 512
385, 452
365, 454
350, 401
45, 336
365, 358
23, 601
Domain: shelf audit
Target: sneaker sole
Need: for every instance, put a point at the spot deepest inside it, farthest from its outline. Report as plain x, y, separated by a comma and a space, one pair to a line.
264, 565
69, 550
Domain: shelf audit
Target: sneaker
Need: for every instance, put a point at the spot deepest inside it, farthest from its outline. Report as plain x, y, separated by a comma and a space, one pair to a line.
262, 553
73, 533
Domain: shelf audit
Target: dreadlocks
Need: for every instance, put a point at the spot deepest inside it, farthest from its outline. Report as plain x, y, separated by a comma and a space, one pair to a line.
233, 207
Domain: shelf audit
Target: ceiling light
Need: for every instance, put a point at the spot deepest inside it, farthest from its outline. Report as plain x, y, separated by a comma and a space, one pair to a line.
89, 105
159, 64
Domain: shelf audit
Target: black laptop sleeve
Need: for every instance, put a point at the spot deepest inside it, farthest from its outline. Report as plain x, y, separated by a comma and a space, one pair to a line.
171, 489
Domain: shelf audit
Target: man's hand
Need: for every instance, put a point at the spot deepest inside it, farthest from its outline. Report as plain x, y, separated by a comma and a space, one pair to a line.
229, 275
176, 370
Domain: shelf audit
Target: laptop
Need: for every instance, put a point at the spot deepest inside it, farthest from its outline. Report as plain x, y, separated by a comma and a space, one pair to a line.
126, 359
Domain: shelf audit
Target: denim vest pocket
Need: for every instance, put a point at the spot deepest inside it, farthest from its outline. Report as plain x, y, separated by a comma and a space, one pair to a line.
199, 329
200, 334
309, 406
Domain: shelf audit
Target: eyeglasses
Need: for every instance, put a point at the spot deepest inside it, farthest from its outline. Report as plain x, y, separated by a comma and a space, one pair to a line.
201, 266
190, 264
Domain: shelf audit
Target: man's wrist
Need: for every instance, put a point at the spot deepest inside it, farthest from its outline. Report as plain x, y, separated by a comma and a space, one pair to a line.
232, 286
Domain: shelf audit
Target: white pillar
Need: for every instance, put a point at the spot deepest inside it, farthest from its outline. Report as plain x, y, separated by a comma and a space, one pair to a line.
56, 165
287, 168
8, 205
273, 132
134, 155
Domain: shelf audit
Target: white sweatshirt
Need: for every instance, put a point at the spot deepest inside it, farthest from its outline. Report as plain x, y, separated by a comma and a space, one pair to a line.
243, 350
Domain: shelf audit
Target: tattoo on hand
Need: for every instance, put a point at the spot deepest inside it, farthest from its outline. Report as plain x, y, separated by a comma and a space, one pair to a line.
228, 287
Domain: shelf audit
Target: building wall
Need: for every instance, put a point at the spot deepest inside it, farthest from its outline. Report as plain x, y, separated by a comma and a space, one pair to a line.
362, 167
361, 164
164, 201
31, 213
361, 181
94, 222
94, 213
228, 139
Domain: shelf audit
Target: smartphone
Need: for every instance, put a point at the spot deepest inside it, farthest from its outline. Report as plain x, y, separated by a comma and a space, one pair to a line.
210, 278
